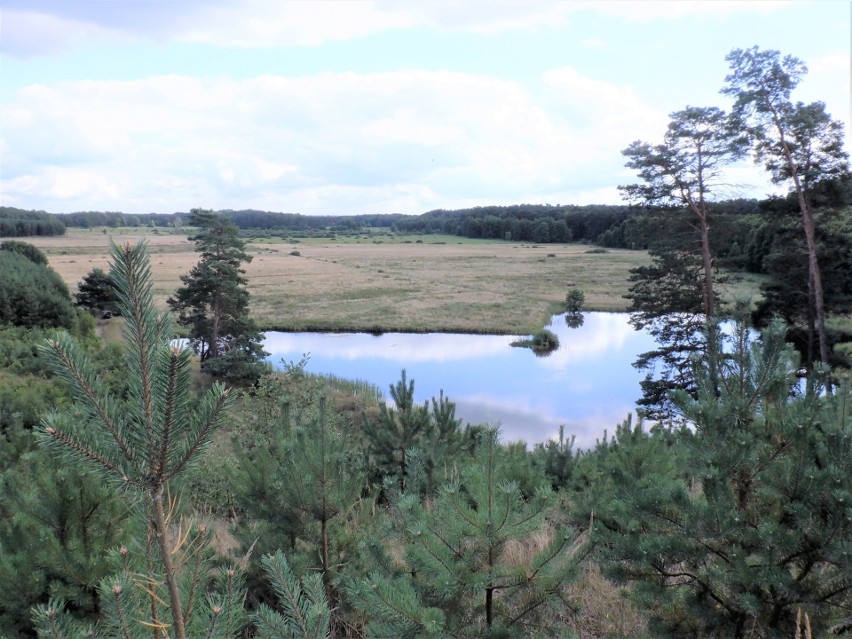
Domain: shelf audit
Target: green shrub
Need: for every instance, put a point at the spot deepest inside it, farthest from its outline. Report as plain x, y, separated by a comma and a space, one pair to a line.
541, 342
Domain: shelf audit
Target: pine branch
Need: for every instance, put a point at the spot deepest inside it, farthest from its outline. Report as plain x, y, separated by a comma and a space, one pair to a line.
83, 451
85, 383
217, 400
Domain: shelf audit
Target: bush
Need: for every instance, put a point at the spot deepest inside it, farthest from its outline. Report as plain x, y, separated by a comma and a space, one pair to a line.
541, 342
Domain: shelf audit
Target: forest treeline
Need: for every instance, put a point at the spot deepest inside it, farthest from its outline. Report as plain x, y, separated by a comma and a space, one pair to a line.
20, 223
740, 225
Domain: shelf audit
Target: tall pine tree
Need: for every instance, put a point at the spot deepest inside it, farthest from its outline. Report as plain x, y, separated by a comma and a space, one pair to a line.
214, 302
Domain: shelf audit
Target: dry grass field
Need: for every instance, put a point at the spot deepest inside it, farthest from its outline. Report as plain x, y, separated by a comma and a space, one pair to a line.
434, 284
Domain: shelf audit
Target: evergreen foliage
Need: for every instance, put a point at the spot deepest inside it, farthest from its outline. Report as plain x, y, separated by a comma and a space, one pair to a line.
96, 292
142, 443
57, 526
132, 604
556, 459
214, 300
798, 143
407, 432
480, 560
727, 528
305, 612
300, 484
685, 170
667, 300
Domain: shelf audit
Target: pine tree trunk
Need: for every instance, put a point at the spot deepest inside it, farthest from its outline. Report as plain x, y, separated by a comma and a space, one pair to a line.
810, 238
164, 543
815, 275
326, 577
707, 260
214, 329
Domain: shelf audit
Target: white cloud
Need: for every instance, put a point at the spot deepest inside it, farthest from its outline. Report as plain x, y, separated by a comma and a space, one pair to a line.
40, 27
406, 140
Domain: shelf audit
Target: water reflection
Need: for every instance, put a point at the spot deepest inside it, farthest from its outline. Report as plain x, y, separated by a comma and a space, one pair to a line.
587, 384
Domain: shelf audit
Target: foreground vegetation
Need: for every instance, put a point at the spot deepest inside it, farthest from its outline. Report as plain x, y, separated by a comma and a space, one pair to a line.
321, 510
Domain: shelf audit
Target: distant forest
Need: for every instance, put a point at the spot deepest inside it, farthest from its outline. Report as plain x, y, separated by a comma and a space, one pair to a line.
742, 228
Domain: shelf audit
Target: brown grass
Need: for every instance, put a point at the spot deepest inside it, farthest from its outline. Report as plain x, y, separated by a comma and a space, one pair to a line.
450, 285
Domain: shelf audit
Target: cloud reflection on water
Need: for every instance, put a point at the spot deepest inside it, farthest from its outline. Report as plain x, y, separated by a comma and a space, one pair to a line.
587, 384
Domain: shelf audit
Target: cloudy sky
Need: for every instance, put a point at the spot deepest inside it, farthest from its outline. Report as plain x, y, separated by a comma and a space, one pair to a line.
380, 106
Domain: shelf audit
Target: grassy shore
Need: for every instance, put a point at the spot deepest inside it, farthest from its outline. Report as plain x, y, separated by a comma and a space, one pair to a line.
384, 282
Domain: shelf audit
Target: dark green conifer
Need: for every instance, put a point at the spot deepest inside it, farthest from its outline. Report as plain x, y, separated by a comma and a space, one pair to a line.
731, 525
479, 560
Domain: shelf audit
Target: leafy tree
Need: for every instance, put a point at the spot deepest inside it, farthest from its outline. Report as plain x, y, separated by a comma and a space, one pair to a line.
685, 170
727, 528
33, 294
20, 223
214, 301
32, 253
96, 292
147, 441
798, 143
480, 560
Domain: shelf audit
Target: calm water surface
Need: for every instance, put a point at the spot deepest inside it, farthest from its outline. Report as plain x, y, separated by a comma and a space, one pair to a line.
588, 384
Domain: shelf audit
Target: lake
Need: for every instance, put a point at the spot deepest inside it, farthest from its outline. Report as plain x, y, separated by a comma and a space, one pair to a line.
587, 384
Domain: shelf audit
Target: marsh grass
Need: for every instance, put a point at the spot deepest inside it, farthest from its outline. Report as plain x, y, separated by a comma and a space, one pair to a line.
441, 283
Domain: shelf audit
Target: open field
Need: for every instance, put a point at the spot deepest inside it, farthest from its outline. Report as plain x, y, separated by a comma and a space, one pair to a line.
417, 283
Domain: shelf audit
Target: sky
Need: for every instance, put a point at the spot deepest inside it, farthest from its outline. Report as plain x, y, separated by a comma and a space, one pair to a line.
383, 106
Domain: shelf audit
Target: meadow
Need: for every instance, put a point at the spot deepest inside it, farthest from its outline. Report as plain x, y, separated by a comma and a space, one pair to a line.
382, 281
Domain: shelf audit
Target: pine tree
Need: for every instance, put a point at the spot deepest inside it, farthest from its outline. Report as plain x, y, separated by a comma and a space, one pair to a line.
57, 526
214, 302
667, 301
684, 171
410, 442
96, 292
798, 143
143, 443
480, 560
729, 526
302, 482
305, 612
